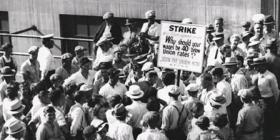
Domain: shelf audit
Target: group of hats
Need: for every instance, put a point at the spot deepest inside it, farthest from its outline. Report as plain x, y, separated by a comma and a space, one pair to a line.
229, 61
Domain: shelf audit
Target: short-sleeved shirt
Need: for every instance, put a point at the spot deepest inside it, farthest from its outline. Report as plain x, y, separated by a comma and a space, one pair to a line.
108, 91
77, 78
31, 71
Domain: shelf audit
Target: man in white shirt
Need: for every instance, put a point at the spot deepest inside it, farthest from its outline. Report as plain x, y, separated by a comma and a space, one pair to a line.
137, 109
215, 50
46, 59
113, 86
105, 52
77, 115
84, 76
119, 130
222, 85
151, 29
168, 80
268, 87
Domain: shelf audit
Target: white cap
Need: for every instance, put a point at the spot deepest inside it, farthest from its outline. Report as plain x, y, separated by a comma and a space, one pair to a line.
148, 66
192, 87
187, 21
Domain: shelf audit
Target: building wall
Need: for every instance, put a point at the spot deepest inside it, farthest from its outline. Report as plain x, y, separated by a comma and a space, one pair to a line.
45, 13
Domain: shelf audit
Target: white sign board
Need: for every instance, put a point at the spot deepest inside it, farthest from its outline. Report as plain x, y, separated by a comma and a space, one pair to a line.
181, 46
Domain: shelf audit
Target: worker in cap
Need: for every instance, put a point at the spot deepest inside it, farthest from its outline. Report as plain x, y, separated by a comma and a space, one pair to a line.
151, 29
46, 59
30, 68
79, 53
250, 118
66, 69
214, 53
192, 92
108, 29
118, 61
246, 26
269, 31
171, 113
209, 36
83, 76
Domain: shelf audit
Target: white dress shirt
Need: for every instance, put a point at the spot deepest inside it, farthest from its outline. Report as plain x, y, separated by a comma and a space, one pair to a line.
224, 88
77, 78
78, 118
267, 84
152, 134
137, 109
120, 131
107, 90
46, 60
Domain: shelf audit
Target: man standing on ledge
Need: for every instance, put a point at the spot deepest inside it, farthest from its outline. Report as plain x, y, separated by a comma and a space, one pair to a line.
46, 59
108, 29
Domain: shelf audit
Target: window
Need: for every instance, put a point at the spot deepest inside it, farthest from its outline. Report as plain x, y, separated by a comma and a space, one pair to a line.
4, 27
85, 27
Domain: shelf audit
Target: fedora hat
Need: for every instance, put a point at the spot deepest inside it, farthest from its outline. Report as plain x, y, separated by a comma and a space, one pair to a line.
15, 107
218, 36
217, 99
119, 111
229, 61
135, 92
268, 20
14, 126
259, 61
7, 72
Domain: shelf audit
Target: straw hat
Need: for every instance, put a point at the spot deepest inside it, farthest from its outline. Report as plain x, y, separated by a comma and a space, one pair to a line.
135, 92
14, 126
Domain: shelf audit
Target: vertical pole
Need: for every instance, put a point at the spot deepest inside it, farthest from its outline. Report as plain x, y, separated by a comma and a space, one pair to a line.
276, 15
178, 78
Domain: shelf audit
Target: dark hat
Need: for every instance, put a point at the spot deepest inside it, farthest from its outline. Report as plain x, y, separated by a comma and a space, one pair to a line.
246, 24
6, 46
229, 61
218, 36
268, 20
202, 121
84, 60
259, 61
108, 15
114, 72
7, 71
219, 18
119, 110
66, 56
128, 22
246, 34
210, 28
105, 65
141, 59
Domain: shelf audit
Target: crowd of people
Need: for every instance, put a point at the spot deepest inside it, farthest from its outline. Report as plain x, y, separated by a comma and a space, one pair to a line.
121, 94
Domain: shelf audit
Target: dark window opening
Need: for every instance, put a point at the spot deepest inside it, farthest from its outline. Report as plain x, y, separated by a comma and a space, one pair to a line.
4, 27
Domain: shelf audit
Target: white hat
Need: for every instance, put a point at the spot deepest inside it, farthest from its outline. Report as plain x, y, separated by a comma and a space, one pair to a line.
173, 89
15, 107
150, 13
192, 87
99, 124
148, 66
86, 87
108, 15
257, 18
135, 92
33, 49
47, 36
14, 126
187, 21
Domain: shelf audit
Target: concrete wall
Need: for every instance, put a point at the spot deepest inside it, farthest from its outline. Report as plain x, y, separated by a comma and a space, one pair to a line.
45, 13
